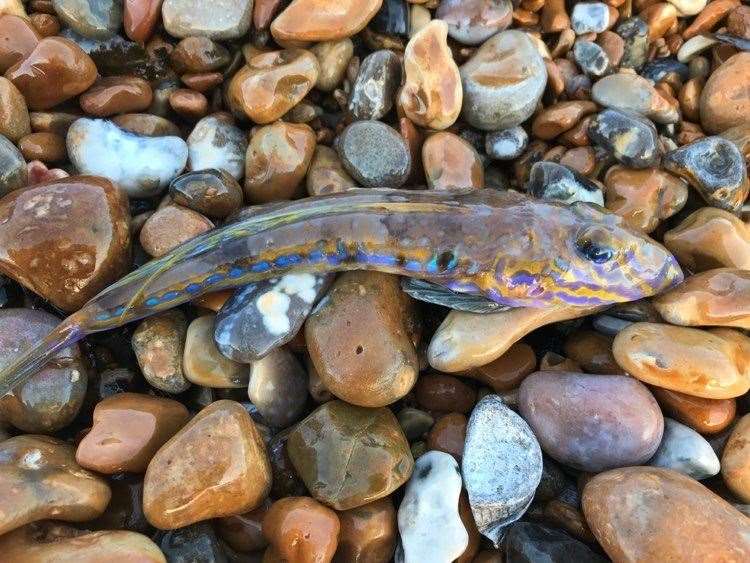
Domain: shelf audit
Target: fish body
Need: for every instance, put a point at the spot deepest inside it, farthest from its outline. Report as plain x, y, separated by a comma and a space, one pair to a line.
513, 250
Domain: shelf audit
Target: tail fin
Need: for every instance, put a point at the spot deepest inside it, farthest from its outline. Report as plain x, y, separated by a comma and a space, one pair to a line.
65, 334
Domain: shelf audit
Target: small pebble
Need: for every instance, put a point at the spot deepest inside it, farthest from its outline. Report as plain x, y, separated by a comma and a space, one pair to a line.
527, 542
706, 416
374, 89
448, 435
451, 163
116, 94
169, 227
13, 174
374, 154
158, 343
203, 362
221, 19
589, 17
735, 464
334, 57
14, 115
326, 174
278, 388
472, 22
591, 58
634, 32
551, 181
368, 533
683, 449
506, 144
210, 191
631, 139
216, 143
196, 542
632, 93
321, 20
725, 101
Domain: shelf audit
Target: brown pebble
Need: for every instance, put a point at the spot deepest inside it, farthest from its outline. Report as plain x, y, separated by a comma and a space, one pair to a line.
448, 435
146, 124
116, 94
300, 529
47, 147
158, 343
202, 82
738, 22
169, 227
555, 16
613, 45
725, 99
198, 54
735, 460
450, 163
243, 532
140, 18
593, 352
445, 393
509, 370
326, 174
368, 533
710, 16
334, 57
204, 364
18, 38
660, 18
14, 115
707, 416
188, 103
555, 120
552, 361
323, 20
580, 159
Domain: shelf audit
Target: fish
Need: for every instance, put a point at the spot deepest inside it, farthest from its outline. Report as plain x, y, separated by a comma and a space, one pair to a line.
503, 246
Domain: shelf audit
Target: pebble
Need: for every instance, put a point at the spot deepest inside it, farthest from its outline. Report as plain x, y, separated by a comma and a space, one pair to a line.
451, 163
705, 364
706, 416
440, 392
591, 58
91, 211
502, 466
199, 54
333, 57
188, 103
145, 124
278, 388
40, 479
592, 351
300, 529
45, 147
655, 514
243, 532
158, 343
473, 22
362, 456
375, 87
203, 362
272, 83
221, 19
142, 166
724, 101
715, 167
196, 542
52, 397
506, 144
589, 17
209, 191
265, 315
18, 38
591, 422
323, 20
326, 174
56, 70
95, 19
631, 139
448, 435
634, 32
277, 160
216, 143
556, 182
428, 521
169, 227
432, 94
127, 430
503, 81
735, 464
216, 465
391, 19
507, 371
13, 174
368, 533
414, 422
558, 118
361, 339
528, 542
374, 154
710, 238
683, 449
14, 115
140, 18
117, 94
632, 93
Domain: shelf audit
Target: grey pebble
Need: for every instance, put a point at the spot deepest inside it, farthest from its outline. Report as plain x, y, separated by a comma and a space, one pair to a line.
374, 154
631, 139
374, 90
552, 181
278, 388
215, 143
683, 449
13, 173
95, 19
634, 32
589, 17
591, 58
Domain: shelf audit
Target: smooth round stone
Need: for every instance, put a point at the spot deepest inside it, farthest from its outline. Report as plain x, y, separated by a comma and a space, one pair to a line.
688, 7
127, 430
116, 94
710, 238
506, 144
334, 57
300, 529
527, 542
326, 174
362, 456
215, 143
199, 54
725, 101
277, 160
432, 94
632, 93
559, 118
46, 147
507, 371
220, 19
374, 89
592, 351
40, 479
735, 460
208, 191
656, 69
694, 47
715, 167
169, 227
85, 248
278, 388
718, 297
242, 532
589, 17
142, 166
429, 524
188, 103
472, 22
323, 20
56, 70
650, 514
451, 163
503, 82
551, 181
631, 139
13, 173
591, 58
448, 435
214, 466
96, 19
502, 466
158, 343
52, 541
591, 422
368, 533
272, 83
38, 173
414, 422
196, 542
644, 198
18, 38
14, 115
683, 449
51, 398
360, 339
440, 392
140, 18
262, 316
705, 364
204, 364
374, 154
706, 416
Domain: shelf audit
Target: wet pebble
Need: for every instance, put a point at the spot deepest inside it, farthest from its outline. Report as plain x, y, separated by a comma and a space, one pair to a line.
158, 343
735, 460
208, 191
683, 449
375, 87
588, 17
14, 115
528, 542
440, 392
326, 174
334, 57
198, 54
97, 19
18, 38
551, 181
368, 533
203, 362
451, 163
216, 143
323, 20
631, 139
725, 101
194, 543
278, 388
13, 173
591, 58
221, 19
506, 144
634, 32
706, 416
169, 227
45, 147
632, 93
374, 154
243, 532
448, 435
300, 529
473, 22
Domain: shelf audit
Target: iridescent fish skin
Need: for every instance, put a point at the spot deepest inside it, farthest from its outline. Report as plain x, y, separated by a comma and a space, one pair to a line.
505, 246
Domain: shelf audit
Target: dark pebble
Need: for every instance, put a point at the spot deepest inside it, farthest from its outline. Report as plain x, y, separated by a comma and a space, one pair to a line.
506, 144
634, 32
212, 192
591, 58
196, 543
526, 542
551, 181
392, 18
375, 87
632, 140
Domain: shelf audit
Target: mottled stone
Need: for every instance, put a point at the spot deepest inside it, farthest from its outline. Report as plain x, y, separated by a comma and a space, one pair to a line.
527, 542
194, 543
683, 449
210, 191
96, 19
451, 163
374, 154
588, 17
503, 82
631, 139
506, 144
300, 529
158, 343
169, 227
40, 479
654, 514
215, 466
216, 143
203, 362
326, 173
591, 58
368, 533
725, 101
551, 181
14, 115
278, 388
502, 466
334, 57
45, 147
375, 87
705, 364
219, 19
473, 22
361, 456
323, 20
735, 460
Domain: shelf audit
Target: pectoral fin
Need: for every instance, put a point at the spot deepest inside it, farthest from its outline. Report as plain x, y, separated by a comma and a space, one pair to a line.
437, 294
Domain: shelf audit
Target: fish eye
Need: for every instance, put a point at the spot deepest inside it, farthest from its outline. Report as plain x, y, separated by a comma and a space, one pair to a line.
593, 244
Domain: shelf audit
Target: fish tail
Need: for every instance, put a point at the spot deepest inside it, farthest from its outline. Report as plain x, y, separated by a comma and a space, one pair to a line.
32, 360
